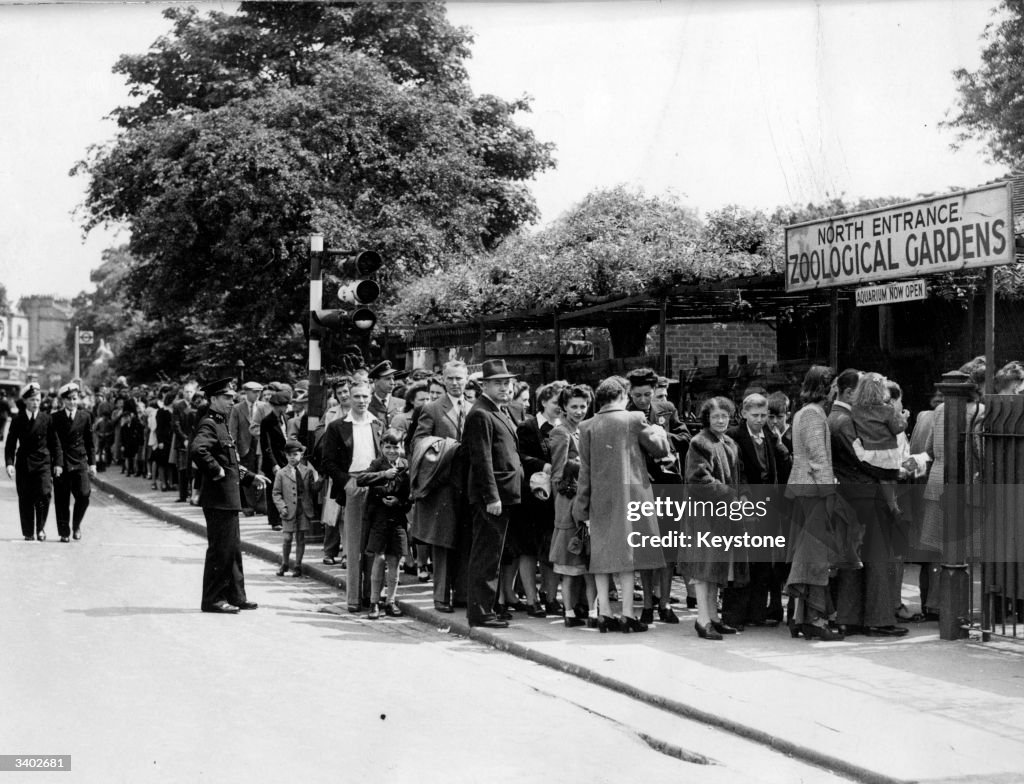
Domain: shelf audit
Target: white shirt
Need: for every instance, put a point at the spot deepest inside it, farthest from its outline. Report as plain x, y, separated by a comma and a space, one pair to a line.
362, 443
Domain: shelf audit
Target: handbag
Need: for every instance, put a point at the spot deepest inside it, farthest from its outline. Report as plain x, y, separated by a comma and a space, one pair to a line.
540, 485
579, 544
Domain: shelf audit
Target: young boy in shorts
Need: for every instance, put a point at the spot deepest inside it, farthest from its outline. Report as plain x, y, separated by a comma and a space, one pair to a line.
293, 495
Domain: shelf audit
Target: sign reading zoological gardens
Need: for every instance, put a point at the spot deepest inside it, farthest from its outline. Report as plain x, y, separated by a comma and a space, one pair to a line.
957, 231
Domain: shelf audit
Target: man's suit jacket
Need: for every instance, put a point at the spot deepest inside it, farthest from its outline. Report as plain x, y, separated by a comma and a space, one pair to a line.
439, 418
663, 413
495, 471
385, 413
272, 441
32, 446
845, 465
76, 439
337, 453
750, 468
238, 426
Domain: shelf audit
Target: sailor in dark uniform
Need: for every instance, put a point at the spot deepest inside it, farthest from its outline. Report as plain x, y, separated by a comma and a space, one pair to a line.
73, 427
213, 452
31, 454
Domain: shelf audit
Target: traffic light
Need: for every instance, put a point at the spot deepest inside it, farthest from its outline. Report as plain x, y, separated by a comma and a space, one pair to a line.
355, 295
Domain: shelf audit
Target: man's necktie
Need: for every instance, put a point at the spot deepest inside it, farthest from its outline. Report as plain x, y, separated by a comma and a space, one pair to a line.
461, 419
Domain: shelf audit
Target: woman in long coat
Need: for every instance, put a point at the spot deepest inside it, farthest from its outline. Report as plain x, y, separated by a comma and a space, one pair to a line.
565, 471
613, 475
712, 473
812, 488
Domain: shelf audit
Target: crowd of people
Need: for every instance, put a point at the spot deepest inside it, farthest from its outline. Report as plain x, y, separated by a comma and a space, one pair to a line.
514, 502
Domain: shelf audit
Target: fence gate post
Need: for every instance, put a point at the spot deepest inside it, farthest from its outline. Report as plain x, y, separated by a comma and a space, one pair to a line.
955, 581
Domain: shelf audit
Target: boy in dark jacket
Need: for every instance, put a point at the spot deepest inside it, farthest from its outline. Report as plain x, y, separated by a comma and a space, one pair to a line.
387, 541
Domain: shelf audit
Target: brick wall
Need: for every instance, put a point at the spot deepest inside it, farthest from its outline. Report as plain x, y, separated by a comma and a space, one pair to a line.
754, 340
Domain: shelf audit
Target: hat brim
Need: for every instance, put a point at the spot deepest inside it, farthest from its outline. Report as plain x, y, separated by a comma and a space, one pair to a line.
499, 377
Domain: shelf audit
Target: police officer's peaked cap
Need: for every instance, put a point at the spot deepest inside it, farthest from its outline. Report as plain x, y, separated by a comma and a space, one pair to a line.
383, 370
218, 387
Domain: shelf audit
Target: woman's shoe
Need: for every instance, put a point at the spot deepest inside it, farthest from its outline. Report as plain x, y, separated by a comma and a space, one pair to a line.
392, 610
794, 630
536, 611
282, 570
571, 621
821, 632
630, 624
374, 613
607, 624
706, 633
297, 571
723, 628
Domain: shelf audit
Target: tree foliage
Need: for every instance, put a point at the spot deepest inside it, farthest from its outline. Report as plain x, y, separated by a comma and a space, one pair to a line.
614, 243
253, 129
991, 99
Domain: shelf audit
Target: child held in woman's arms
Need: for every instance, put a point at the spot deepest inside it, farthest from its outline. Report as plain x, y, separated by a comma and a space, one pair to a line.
878, 423
387, 503
294, 497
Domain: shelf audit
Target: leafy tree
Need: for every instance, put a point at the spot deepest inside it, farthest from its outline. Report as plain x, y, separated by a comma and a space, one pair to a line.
989, 101
254, 128
614, 243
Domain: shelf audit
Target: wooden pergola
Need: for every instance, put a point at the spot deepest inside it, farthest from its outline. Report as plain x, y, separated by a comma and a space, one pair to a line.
754, 298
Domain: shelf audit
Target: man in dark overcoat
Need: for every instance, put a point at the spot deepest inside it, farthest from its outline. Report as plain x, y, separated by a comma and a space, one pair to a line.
32, 454
442, 519
73, 427
213, 453
383, 404
495, 486
238, 426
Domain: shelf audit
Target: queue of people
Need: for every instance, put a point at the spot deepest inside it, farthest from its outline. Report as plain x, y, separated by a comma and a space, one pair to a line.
513, 512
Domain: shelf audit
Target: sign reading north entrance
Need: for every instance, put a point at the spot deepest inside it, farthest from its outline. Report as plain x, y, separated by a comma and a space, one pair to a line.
970, 229
904, 291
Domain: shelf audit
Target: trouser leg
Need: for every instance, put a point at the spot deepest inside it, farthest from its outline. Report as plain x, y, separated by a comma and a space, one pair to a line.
222, 576
81, 488
440, 557
484, 559
355, 505
62, 503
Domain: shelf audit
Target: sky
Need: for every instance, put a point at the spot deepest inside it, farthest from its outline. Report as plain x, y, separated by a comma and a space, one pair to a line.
759, 103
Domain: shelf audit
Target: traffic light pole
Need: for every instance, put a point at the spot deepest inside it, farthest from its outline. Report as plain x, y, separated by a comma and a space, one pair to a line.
315, 408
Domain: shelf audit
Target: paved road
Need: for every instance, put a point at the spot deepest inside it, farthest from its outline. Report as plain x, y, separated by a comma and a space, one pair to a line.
107, 658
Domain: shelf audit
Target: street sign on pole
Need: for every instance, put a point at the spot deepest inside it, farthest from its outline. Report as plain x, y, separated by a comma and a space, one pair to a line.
85, 337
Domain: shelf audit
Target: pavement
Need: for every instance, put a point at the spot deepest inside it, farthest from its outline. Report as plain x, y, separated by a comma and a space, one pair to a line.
911, 709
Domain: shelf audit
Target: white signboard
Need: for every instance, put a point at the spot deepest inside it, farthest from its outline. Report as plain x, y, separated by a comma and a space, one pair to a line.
903, 291
85, 337
966, 230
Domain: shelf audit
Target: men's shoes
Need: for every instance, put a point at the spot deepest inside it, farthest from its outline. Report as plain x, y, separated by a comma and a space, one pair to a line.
30, 538
247, 605
41, 536
65, 539
849, 629
887, 631
221, 607
490, 623
76, 534
536, 611
647, 615
443, 608
276, 527
503, 613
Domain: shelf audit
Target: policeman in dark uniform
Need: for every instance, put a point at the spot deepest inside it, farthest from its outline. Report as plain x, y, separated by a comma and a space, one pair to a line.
213, 452
32, 454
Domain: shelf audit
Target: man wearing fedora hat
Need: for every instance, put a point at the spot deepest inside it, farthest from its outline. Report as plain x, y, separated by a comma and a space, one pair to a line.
273, 435
383, 405
73, 427
495, 486
32, 455
213, 452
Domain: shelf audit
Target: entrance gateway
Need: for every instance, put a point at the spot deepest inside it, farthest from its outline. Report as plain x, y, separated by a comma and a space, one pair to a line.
954, 232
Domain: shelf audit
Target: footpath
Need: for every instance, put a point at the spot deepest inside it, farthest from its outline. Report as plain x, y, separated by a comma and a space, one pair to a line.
911, 709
